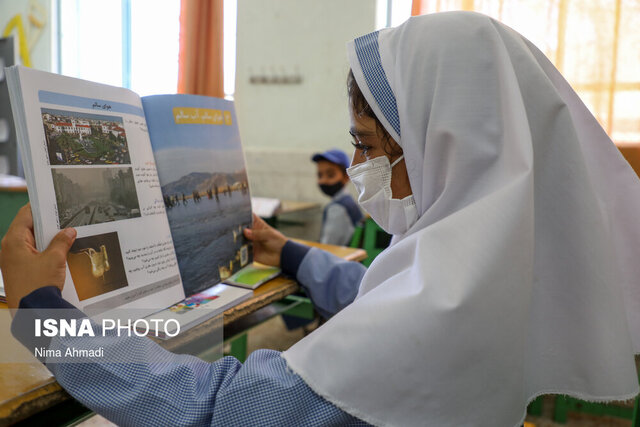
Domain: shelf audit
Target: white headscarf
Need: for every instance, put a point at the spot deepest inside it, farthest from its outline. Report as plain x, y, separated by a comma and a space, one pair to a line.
521, 275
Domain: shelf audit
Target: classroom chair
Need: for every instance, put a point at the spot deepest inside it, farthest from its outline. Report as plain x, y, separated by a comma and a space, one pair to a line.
535, 407
356, 238
370, 237
565, 404
11, 202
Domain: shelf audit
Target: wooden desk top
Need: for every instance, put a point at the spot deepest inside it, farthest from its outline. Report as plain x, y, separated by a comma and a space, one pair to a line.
288, 206
350, 254
28, 388
13, 189
12, 183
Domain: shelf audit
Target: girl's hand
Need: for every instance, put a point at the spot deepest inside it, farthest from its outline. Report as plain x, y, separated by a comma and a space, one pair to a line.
24, 269
267, 242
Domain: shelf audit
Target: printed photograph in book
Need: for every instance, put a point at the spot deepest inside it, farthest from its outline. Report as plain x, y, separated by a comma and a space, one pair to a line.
204, 184
96, 265
93, 195
75, 138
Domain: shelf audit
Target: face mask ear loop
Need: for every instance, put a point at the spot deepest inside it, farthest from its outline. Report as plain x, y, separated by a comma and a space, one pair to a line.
397, 160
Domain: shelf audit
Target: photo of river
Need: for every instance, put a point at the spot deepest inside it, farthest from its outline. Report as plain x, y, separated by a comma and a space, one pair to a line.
208, 232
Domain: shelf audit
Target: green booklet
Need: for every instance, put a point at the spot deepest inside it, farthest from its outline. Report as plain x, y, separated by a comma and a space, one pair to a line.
253, 275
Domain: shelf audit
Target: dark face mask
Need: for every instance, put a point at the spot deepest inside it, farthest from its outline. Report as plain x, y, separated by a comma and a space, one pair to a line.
331, 190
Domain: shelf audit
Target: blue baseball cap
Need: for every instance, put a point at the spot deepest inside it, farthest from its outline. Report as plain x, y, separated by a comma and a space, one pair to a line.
334, 156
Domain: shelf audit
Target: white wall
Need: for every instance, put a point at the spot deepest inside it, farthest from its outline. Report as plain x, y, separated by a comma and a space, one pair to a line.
283, 125
40, 51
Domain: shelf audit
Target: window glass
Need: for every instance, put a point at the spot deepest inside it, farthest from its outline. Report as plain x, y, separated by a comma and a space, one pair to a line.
91, 40
155, 36
98, 44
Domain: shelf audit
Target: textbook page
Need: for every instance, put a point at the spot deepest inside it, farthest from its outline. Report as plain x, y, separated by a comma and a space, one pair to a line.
196, 144
89, 165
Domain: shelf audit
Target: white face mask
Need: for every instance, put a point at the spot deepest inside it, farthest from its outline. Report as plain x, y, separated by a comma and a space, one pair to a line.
373, 182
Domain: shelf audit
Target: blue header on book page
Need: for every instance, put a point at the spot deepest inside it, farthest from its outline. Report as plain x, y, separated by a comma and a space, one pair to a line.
89, 103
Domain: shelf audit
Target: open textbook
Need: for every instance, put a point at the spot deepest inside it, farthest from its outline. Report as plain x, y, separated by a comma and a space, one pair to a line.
156, 188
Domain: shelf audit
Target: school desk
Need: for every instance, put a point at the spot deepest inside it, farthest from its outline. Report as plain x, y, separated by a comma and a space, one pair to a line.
27, 389
631, 152
272, 216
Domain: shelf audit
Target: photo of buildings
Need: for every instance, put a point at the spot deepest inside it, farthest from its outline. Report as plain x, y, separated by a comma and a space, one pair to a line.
75, 138
94, 195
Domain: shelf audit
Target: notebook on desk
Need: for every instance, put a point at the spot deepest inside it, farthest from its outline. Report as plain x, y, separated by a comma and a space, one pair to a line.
265, 207
253, 276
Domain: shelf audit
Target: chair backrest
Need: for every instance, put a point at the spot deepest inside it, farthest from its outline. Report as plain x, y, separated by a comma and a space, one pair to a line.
10, 204
369, 236
356, 237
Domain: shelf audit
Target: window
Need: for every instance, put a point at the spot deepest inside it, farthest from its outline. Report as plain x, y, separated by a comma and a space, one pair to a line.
594, 44
129, 43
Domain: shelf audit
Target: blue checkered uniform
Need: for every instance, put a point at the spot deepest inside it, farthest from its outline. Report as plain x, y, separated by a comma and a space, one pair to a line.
176, 390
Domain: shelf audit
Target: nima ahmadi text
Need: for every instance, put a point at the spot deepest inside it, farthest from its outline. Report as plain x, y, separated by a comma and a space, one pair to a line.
69, 352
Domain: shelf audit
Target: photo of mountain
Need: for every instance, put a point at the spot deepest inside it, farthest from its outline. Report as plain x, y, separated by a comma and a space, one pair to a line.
204, 185
203, 181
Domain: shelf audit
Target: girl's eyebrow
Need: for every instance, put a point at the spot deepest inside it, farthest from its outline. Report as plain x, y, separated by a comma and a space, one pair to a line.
354, 132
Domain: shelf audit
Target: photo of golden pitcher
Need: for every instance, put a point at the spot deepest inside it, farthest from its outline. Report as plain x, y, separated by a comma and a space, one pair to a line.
99, 260
96, 271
